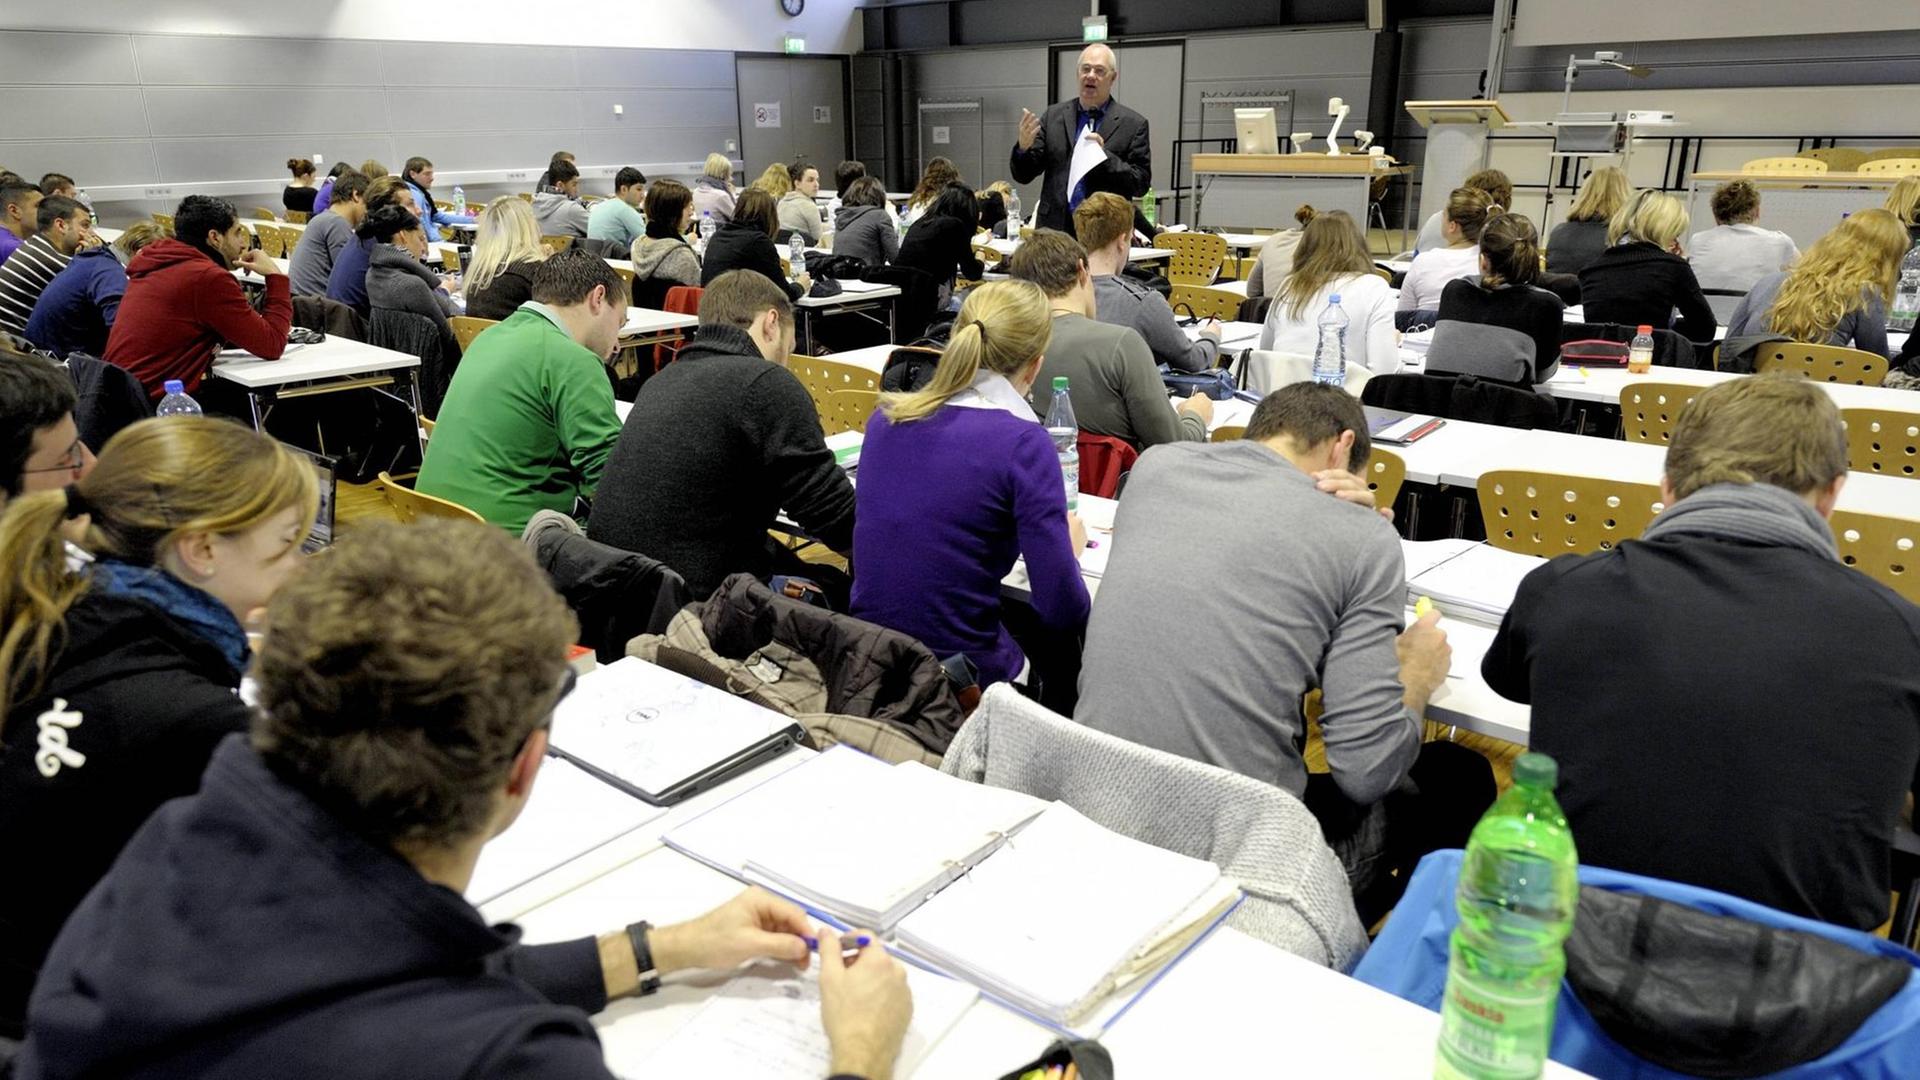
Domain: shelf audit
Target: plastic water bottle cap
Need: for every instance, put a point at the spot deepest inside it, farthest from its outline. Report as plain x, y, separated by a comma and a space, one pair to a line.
174, 386
1059, 383
1646, 329
1536, 770
1334, 299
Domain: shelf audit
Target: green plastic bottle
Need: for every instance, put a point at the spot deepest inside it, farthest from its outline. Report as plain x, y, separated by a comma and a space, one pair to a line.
1149, 208
1519, 887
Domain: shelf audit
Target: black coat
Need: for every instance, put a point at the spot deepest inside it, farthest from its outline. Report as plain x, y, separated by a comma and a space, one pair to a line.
617, 595
741, 245
1128, 170
504, 294
940, 247
1639, 284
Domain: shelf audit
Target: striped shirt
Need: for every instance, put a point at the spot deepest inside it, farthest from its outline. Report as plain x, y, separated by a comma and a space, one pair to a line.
23, 277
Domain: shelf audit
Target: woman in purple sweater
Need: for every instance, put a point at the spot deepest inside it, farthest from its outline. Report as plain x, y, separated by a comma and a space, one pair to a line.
959, 480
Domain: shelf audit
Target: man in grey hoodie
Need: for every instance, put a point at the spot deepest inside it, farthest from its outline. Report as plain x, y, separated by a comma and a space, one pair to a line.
557, 207
862, 228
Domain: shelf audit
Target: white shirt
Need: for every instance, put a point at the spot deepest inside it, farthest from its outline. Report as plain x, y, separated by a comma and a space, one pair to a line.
1368, 302
1737, 256
992, 390
1430, 273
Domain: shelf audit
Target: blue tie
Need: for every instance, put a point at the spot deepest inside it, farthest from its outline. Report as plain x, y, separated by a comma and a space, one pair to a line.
1079, 193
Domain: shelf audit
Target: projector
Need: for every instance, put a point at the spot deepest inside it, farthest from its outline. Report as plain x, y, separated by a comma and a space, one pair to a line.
1648, 116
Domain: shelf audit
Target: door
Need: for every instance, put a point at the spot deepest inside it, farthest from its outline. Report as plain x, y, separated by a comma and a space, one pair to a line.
793, 107
1149, 84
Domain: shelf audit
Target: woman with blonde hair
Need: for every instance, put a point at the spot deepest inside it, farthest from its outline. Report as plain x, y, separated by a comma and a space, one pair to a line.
1643, 276
1581, 238
1331, 260
774, 181
117, 681
1903, 202
1468, 211
1736, 253
713, 191
1837, 294
940, 172
959, 480
500, 274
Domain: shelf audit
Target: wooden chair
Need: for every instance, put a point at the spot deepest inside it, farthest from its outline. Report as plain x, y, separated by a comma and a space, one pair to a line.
1838, 158
1230, 432
1826, 363
1883, 442
1894, 152
557, 244
410, 506
1549, 514
1204, 302
848, 410
165, 221
824, 378
1648, 410
1774, 166
526, 196
1386, 474
261, 213
298, 217
626, 275
466, 328
443, 206
1904, 166
271, 241
450, 260
1197, 257
1880, 547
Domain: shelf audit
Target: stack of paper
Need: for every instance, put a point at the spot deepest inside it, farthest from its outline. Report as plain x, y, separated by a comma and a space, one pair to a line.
1423, 555
569, 814
846, 448
1478, 584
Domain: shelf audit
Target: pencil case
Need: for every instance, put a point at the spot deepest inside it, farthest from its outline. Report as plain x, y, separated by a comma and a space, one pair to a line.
1090, 1060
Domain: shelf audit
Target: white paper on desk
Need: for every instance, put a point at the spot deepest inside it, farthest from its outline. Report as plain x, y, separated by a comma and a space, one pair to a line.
570, 813
235, 354
766, 1024
1423, 555
1478, 584
1087, 156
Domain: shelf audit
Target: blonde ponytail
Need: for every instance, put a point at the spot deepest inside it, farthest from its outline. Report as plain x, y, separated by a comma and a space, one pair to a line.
1002, 327
35, 592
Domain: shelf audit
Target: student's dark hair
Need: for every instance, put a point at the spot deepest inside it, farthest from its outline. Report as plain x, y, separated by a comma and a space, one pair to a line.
1470, 208
567, 277
1511, 246
54, 181
198, 215
738, 298
1310, 413
1050, 259
56, 208
1495, 184
864, 191
299, 166
340, 168
665, 204
797, 168
1735, 202
34, 394
350, 185
405, 672
955, 201
414, 165
386, 223
628, 176
560, 172
14, 190
558, 157
756, 207
990, 209
845, 173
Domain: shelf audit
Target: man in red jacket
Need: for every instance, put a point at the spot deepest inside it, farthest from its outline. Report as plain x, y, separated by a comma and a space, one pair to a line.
183, 303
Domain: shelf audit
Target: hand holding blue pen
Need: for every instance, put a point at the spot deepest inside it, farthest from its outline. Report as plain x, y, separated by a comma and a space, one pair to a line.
850, 945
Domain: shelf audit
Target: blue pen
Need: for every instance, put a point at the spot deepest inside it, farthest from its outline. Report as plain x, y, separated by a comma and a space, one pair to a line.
850, 945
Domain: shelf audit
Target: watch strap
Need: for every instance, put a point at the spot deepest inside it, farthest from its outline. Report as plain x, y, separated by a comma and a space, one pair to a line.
643, 957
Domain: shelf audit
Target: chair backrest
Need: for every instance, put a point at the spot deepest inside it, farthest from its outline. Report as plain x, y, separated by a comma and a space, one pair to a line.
1906, 166
1881, 547
1838, 158
1882, 441
1826, 363
261, 213
824, 378
1893, 152
526, 196
450, 260
1103, 460
681, 300
298, 217
1204, 302
466, 328
848, 410
1228, 433
1648, 410
1462, 397
1784, 166
1253, 309
410, 505
1197, 257
1548, 514
1386, 474
557, 244
165, 221
271, 241
626, 275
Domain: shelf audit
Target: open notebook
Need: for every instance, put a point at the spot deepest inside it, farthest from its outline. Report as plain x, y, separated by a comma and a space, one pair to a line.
1479, 583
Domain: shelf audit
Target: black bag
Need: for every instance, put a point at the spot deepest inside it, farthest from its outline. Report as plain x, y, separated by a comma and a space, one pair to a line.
1152, 279
1092, 1060
824, 287
836, 267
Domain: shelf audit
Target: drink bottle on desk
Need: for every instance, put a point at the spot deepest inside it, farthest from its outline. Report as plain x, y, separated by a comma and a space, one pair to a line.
1640, 351
459, 200
1330, 354
1150, 208
176, 402
797, 255
707, 229
1066, 439
1519, 887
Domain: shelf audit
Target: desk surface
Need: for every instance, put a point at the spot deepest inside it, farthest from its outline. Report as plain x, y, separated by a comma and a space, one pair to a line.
854, 292
334, 358
652, 321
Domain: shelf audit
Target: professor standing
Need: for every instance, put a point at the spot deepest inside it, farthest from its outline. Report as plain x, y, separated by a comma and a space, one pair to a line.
1046, 143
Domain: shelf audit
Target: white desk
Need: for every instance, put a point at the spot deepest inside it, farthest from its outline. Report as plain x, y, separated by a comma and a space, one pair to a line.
856, 297
330, 366
650, 326
1605, 384
873, 357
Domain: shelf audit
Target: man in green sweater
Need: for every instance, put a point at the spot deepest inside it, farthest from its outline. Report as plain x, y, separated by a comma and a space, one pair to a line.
528, 421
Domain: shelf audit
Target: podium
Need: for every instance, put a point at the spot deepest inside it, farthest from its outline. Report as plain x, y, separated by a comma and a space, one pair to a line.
1456, 145
1249, 191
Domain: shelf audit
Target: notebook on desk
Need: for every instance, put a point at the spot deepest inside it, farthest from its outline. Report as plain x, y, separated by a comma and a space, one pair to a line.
1478, 584
1400, 429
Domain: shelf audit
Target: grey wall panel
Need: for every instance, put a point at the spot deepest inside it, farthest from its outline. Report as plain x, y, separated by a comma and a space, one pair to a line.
182, 160
414, 64
63, 112
1005, 81
94, 164
646, 109
180, 110
492, 150
66, 58
482, 109
182, 60
648, 144
654, 67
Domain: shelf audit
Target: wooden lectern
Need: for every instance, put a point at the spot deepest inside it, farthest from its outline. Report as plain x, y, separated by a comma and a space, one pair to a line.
1456, 145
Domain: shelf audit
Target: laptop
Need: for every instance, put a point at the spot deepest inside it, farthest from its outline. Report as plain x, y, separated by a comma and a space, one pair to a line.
327, 469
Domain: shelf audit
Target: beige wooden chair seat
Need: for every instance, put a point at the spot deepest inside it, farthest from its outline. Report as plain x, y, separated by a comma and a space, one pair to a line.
1549, 514
1884, 442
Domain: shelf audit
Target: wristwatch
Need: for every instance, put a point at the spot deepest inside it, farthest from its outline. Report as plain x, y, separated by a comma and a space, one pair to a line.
643, 957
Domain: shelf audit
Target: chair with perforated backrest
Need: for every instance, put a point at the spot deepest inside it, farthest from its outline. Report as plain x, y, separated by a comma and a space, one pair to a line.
298, 217
1838, 158
466, 328
1882, 441
165, 221
557, 244
1648, 410
261, 213
626, 275
1777, 166
1548, 514
1881, 547
823, 378
450, 260
271, 241
1228, 433
1893, 152
1205, 303
526, 196
1904, 166
848, 410
1197, 257
1386, 473
1825, 363
410, 506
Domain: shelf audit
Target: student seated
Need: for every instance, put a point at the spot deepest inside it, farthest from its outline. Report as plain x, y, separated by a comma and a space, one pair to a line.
298, 196
1776, 770
662, 258
327, 235
862, 228
1500, 326
959, 480
1115, 388
1837, 294
120, 679
1903, 202
19, 200
1499, 189
1331, 260
406, 687
61, 184
1643, 275
1735, 253
1318, 601
746, 243
419, 177
61, 227
721, 442
506, 255
396, 278
1577, 241
557, 208
77, 309
713, 192
1275, 261
797, 210
1104, 224
940, 174
40, 445
939, 243
774, 181
183, 302
528, 419
844, 174
990, 210
347, 281
1468, 211
324, 194
546, 177
617, 220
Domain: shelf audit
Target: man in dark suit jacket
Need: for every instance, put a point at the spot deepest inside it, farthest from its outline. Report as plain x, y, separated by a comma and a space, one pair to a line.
1046, 143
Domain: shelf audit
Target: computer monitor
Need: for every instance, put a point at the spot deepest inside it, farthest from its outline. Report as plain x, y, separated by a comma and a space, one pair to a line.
1256, 131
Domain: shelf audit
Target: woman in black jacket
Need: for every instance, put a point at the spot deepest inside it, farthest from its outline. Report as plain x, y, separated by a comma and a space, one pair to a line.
1503, 325
505, 255
940, 243
746, 243
1644, 276
125, 674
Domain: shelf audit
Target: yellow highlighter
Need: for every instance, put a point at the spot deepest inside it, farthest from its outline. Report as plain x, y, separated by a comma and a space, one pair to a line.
1422, 606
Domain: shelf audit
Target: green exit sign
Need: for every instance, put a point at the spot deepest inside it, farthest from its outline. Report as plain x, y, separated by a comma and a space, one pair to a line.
794, 43
1093, 28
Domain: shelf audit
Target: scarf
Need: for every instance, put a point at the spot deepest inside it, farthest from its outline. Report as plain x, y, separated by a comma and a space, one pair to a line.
208, 618
1753, 513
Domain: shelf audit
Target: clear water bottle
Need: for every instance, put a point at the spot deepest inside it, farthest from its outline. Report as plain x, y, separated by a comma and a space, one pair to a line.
1519, 887
1013, 212
1150, 208
459, 200
1330, 355
707, 229
797, 255
176, 402
1640, 351
1906, 296
1065, 431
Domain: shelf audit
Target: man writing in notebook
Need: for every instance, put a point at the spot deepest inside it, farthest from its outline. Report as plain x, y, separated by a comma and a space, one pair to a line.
301, 916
